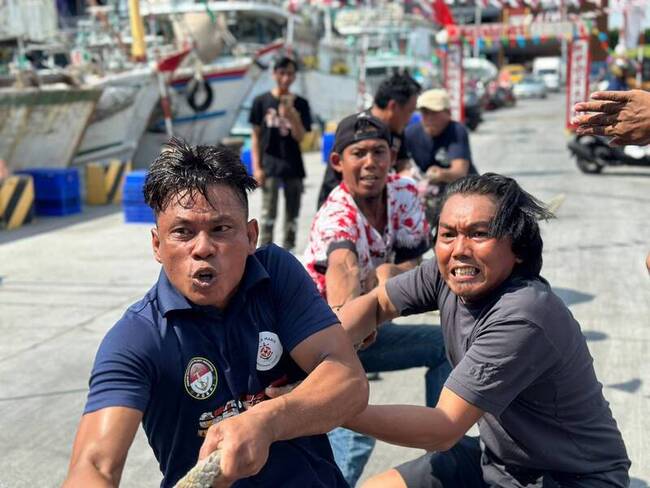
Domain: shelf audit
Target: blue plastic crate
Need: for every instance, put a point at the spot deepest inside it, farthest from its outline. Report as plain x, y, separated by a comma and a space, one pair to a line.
138, 213
54, 184
52, 208
327, 143
133, 183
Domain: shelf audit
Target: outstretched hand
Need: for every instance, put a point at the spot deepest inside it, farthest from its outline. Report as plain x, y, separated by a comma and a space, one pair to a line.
622, 115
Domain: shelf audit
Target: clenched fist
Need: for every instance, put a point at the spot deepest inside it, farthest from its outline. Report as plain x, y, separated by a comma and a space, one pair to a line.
244, 442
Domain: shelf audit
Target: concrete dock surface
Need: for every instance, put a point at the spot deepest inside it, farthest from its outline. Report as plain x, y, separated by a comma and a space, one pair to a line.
65, 281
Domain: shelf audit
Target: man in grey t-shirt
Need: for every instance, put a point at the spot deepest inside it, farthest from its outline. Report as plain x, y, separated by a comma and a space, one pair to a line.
522, 369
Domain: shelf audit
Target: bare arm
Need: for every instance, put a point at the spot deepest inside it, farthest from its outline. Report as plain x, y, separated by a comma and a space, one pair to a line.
361, 316
298, 131
387, 270
433, 429
256, 154
342, 278
457, 169
334, 390
100, 447
622, 115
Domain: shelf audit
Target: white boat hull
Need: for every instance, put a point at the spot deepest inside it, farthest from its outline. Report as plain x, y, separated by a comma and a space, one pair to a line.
121, 116
43, 127
229, 84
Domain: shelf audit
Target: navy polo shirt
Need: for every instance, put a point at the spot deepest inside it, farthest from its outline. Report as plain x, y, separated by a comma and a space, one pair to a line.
187, 366
452, 143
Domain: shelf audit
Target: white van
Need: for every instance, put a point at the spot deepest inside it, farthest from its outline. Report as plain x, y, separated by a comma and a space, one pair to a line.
548, 69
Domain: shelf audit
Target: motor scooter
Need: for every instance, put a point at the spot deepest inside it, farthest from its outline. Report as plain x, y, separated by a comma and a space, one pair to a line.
593, 153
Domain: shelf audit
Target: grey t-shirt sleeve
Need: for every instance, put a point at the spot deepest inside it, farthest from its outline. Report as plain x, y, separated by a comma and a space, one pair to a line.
505, 358
415, 291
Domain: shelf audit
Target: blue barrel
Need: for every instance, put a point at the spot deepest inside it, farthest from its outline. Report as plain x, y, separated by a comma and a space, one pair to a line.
327, 143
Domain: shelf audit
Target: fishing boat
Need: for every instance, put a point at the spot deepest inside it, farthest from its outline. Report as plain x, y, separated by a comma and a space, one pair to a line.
120, 116
206, 121
208, 88
362, 46
43, 116
43, 126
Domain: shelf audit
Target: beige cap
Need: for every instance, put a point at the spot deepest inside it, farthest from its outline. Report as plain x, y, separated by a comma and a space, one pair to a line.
435, 100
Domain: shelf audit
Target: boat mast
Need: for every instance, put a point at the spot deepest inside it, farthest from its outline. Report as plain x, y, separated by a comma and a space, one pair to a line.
138, 47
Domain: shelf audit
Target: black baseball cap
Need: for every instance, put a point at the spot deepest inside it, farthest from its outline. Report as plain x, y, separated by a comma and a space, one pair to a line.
360, 127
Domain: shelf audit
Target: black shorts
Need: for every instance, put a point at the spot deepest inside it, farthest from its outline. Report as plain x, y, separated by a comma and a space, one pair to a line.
464, 465
458, 467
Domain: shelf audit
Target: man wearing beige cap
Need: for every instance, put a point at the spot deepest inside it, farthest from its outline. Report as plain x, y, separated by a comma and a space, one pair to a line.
439, 146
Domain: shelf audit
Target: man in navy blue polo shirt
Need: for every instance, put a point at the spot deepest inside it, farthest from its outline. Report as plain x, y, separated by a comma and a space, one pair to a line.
440, 148
193, 358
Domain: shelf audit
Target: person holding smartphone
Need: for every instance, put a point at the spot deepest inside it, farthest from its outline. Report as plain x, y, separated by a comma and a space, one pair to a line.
280, 120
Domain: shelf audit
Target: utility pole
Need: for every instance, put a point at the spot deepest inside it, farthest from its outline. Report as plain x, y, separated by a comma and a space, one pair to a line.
564, 44
477, 27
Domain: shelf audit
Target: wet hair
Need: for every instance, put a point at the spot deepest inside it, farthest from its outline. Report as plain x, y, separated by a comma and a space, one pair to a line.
284, 62
184, 171
399, 87
517, 214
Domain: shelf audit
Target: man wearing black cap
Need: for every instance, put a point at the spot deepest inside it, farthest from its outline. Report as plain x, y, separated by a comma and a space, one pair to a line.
371, 227
394, 104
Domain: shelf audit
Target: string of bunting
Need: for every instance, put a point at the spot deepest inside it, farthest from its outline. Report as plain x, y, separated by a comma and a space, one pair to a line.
579, 30
597, 5
614, 5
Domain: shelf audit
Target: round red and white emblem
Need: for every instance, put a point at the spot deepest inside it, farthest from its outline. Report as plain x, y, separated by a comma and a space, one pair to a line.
200, 378
269, 350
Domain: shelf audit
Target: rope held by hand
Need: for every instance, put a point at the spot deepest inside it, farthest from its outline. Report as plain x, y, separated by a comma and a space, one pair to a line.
203, 474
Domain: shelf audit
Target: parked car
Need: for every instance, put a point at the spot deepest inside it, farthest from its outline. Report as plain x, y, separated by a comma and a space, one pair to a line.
530, 87
512, 73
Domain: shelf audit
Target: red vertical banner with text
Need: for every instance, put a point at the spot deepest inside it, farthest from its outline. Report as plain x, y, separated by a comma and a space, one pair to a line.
454, 80
578, 67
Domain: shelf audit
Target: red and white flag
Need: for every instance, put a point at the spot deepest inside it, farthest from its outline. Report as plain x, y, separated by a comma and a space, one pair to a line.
442, 13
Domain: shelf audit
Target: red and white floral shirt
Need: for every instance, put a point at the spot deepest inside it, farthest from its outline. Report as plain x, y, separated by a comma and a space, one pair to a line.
340, 224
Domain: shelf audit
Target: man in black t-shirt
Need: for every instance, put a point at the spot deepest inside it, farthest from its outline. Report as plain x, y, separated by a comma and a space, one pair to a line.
280, 120
394, 104
522, 368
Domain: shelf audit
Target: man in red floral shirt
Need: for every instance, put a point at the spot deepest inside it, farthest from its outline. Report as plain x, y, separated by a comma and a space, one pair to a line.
371, 227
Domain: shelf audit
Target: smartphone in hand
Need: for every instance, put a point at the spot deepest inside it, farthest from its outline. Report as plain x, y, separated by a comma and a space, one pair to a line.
286, 100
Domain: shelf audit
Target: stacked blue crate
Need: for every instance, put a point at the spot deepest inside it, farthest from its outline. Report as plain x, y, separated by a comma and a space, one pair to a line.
327, 143
246, 158
135, 208
56, 190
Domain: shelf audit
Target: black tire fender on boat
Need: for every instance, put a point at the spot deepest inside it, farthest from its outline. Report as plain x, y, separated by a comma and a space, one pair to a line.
201, 90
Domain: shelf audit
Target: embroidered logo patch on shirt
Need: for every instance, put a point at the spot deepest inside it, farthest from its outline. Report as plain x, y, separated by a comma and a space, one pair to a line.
200, 378
269, 350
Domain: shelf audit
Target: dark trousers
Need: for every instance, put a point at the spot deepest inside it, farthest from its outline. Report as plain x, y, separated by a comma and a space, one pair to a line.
292, 195
465, 465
